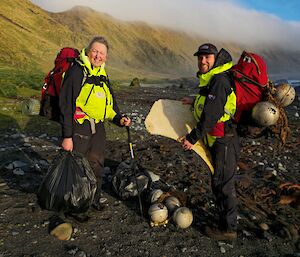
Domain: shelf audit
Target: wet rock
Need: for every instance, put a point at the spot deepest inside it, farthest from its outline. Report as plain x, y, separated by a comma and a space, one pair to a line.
264, 226
153, 176
282, 169
267, 236
30, 107
43, 163
26, 140
18, 172
16, 164
135, 82
246, 233
261, 166
222, 249
17, 135
184, 249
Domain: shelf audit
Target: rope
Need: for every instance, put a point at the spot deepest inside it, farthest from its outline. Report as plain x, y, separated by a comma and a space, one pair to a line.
181, 196
281, 128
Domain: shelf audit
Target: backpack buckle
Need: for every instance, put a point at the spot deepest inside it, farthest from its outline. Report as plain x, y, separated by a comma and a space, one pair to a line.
247, 59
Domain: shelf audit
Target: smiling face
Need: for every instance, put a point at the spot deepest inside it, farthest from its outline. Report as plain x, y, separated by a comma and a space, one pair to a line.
97, 54
205, 62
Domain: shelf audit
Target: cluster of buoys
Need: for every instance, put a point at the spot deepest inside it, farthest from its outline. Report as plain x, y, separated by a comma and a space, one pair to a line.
266, 113
160, 212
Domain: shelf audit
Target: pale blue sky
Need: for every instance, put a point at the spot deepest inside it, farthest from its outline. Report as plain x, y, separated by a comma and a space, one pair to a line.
285, 9
288, 10
259, 22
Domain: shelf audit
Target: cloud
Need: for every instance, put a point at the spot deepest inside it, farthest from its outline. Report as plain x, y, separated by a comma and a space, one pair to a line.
213, 19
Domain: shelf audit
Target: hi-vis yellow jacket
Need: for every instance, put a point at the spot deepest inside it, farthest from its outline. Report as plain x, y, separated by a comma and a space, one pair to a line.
86, 94
229, 108
95, 99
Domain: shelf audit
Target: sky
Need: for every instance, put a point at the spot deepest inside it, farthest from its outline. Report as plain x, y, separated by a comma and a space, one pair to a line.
258, 22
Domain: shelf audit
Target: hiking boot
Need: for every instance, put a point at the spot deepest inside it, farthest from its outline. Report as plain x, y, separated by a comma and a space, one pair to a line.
221, 235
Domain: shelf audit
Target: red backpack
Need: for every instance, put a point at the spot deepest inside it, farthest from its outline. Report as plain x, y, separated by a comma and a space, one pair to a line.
250, 81
53, 82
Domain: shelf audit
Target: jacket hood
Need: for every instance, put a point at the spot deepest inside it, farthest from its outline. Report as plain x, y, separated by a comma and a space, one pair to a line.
223, 63
222, 57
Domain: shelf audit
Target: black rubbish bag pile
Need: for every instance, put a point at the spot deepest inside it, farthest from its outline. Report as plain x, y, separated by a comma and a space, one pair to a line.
69, 185
130, 179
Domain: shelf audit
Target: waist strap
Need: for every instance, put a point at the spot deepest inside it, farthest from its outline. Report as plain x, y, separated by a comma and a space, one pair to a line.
79, 114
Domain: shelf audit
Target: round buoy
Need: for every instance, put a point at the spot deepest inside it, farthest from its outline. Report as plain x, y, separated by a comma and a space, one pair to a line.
265, 113
285, 94
172, 203
183, 217
155, 194
158, 212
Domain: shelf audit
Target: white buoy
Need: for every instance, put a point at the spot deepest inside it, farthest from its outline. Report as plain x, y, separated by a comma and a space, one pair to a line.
155, 194
183, 217
285, 94
158, 212
172, 203
265, 113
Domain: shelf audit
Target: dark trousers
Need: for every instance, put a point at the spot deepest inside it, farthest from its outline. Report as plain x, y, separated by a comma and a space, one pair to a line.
92, 146
225, 154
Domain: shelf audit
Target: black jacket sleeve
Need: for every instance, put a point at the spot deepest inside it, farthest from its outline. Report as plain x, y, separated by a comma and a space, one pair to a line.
67, 99
219, 89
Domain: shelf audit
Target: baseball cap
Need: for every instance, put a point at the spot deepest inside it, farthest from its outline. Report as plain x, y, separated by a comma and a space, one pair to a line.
207, 48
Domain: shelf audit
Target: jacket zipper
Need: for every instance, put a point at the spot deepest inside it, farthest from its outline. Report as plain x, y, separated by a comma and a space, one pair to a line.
89, 95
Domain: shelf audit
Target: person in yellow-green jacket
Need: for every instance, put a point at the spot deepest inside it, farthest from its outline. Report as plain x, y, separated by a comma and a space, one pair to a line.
86, 101
213, 108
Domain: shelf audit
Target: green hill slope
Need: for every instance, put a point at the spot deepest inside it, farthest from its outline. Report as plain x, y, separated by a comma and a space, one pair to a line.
136, 48
31, 37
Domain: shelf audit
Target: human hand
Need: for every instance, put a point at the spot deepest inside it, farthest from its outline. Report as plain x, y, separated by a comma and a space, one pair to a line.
67, 144
125, 121
185, 143
187, 100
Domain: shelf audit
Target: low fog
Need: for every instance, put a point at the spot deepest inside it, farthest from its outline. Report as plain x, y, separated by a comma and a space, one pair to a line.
214, 19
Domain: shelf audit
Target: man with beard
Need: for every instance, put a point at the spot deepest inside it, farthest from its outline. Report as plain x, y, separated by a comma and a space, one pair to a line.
214, 106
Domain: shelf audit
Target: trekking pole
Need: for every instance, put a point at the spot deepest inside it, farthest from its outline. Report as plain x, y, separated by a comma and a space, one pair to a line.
134, 169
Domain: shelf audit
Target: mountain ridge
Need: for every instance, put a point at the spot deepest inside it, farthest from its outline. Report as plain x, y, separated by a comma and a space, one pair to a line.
137, 49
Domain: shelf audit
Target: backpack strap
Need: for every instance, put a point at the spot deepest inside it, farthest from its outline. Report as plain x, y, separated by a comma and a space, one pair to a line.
96, 80
85, 75
244, 77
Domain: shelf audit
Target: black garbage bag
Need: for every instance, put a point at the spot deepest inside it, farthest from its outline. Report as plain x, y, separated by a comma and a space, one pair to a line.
130, 179
69, 185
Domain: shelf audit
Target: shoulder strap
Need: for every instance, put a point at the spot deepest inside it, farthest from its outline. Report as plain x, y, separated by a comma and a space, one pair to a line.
84, 77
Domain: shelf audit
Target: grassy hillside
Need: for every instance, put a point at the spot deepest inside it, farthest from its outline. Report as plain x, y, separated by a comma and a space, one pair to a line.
31, 37
136, 48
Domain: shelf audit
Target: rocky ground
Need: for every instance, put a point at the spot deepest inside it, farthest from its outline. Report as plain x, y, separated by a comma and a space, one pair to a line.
267, 189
